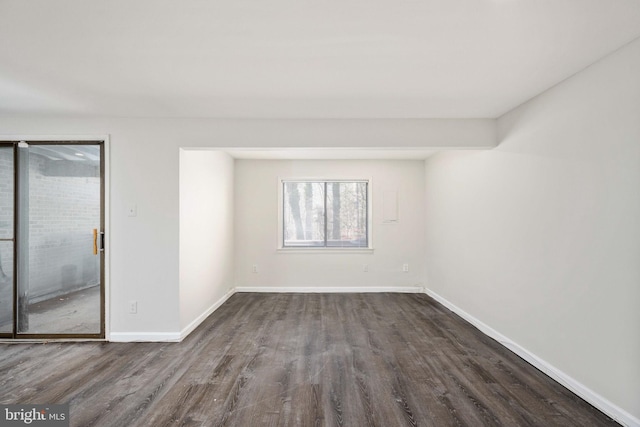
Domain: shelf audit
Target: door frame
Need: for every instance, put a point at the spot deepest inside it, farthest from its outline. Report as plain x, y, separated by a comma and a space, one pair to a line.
104, 142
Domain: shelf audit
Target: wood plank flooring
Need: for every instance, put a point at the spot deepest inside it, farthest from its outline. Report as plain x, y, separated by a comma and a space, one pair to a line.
299, 360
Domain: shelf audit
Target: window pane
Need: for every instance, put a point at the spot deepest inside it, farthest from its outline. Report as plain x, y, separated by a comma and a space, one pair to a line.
347, 214
303, 214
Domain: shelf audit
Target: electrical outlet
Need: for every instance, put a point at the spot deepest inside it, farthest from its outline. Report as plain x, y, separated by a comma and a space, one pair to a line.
365, 268
254, 269
133, 307
405, 267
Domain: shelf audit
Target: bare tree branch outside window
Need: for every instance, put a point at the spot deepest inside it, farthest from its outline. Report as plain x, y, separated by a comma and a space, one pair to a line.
325, 214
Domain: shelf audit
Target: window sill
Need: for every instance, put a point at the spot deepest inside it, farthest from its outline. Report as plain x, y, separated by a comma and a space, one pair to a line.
324, 250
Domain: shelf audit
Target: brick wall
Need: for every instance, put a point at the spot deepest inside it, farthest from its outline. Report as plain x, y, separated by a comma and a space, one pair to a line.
6, 231
63, 211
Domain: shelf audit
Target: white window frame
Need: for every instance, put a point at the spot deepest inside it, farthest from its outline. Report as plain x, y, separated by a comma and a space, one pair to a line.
323, 249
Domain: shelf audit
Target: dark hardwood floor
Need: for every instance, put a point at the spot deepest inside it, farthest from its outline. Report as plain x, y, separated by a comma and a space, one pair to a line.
299, 360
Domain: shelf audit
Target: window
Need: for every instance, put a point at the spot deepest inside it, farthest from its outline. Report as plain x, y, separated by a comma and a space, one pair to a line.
330, 214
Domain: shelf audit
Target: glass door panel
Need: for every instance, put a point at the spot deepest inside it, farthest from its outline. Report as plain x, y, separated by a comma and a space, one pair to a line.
6, 238
6, 287
60, 290
6, 192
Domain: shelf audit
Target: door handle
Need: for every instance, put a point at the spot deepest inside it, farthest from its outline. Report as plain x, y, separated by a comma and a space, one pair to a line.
102, 241
95, 241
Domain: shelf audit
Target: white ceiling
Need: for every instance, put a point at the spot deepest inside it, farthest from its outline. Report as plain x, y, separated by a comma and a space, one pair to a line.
298, 58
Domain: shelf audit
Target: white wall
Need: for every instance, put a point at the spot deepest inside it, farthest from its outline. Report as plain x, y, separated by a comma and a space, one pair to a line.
540, 237
394, 244
144, 170
206, 232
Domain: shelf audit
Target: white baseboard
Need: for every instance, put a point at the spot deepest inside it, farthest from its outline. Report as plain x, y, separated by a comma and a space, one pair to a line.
331, 289
603, 404
169, 336
198, 320
144, 337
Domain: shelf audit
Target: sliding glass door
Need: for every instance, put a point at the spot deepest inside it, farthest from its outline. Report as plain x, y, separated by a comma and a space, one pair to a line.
57, 241
7, 242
